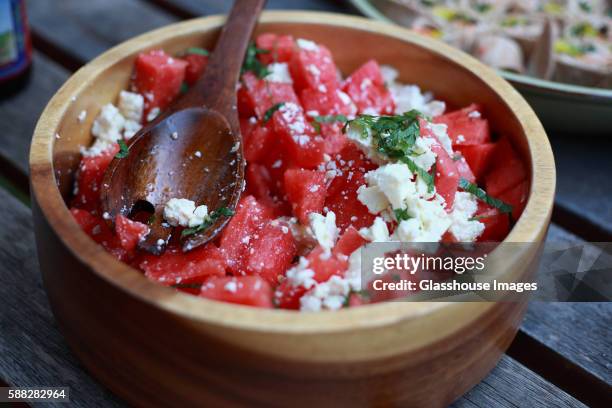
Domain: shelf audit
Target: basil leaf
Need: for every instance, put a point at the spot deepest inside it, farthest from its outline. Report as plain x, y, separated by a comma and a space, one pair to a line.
483, 196
401, 214
252, 63
197, 51
123, 150
268, 115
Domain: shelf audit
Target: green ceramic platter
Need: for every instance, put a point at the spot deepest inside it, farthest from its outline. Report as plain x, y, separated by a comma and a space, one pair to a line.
562, 108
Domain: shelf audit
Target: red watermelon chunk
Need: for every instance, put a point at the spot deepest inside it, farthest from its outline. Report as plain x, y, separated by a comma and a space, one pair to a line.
158, 77
196, 64
466, 126
260, 95
333, 102
272, 252
517, 198
250, 216
349, 242
257, 144
313, 67
287, 296
130, 232
367, 89
280, 47
497, 224
100, 232
263, 187
175, 267
507, 169
465, 172
326, 264
243, 290
446, 177
301, 146
89, 178
478, 157
306, 192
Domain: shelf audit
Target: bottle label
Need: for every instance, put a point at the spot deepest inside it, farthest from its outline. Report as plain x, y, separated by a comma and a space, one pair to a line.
15, 49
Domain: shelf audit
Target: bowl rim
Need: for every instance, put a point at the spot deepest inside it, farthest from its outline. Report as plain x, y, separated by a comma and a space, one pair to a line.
531, 227
561, 89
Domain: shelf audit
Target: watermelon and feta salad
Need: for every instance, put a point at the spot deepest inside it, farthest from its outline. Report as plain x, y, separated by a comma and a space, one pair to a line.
333, 163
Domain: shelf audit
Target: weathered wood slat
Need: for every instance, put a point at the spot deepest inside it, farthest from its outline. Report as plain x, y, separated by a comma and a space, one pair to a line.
34, 353
583, 183
85, 29
20, 111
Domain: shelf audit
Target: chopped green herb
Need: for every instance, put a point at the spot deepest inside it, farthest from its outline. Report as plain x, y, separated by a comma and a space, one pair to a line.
483, 196
479, 218
317, 120
123, 150
151, 219
395, 137
197, 51
401, 214
184, 87
456, 157
268, 115
252, 63
212, 217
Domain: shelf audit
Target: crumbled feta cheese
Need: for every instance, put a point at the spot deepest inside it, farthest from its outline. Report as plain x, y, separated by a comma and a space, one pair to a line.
312, 113
99, 147
131, 128
307, 45
464, 208
153, 114
279, 72
174, 135
323, 228
430, 222
109, 124
424, 157
82, 116
231, 286
460, 138
440, 132
131, 105
389, 74
330, 295
474, 115
178, 211
200, 214
198, 154
377, 232
395, 182
301, 275
373, 198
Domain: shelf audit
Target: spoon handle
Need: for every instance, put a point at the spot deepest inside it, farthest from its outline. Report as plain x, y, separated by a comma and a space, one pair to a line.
217, 87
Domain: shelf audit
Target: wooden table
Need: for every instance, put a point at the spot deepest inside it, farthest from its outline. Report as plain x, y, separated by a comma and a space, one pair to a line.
562, 355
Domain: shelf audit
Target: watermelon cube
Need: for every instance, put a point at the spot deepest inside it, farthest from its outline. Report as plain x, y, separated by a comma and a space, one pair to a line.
306, 192
367, 89
349, 242
271, 252
465, 172
242, 290
260, 95
478, 157
332, 102
99, 231
466, 126
497, 224
158, 77
507, 169
175, 267
258, 142
196, 64
446, 177
130, 232
89, 178
517, 198
280, 47
249, 218
312, 67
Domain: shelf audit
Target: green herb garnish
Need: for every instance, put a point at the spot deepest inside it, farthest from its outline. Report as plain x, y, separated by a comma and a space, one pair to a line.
197, 51
268, 115
317, 120
401, 214
123, 150
212, 217
395, 137
483, 196
252, 63
184, 87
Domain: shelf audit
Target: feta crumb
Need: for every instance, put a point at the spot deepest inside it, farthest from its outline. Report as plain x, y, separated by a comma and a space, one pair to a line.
474, 114
424, 157
440, 132
130, 129
109, 124
307, 45
174, 135
430, 222
373, 198
231, 286
153, 114
198, 154
323, 228
178, 211
131, 105
82, 116
277, 164
463, 228
460, 138
300, 275
377, 232
99, 147
394, 181
330, 295
279, 72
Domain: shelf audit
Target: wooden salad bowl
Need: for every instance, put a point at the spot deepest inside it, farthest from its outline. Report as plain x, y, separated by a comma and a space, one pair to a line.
155, 346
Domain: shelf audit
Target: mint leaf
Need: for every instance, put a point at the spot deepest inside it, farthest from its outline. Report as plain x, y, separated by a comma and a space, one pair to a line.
252, 63
268, 115
197, 51
317, 120
123, 150
212, 217
483, 196
401, 214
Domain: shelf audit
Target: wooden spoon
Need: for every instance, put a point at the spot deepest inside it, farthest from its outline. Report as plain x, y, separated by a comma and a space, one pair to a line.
193, 149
